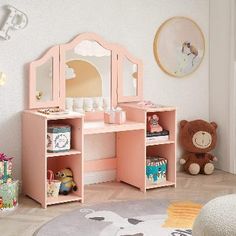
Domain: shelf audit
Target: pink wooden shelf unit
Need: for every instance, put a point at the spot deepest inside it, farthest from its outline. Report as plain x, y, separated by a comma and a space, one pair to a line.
47, 89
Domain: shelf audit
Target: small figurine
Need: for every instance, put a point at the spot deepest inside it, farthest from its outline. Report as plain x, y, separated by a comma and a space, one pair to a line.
153, 125
67, 182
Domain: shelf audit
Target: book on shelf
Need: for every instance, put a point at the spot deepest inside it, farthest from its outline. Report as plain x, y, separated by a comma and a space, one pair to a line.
158, 138
164, 132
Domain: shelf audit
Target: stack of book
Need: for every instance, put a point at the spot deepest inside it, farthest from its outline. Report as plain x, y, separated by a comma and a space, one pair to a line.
158, 136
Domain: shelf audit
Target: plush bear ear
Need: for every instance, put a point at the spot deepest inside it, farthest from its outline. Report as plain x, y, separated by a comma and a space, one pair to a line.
183, 123
214, 124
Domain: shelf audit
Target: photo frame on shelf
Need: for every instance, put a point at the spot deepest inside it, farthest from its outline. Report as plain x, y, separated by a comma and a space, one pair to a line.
179, 46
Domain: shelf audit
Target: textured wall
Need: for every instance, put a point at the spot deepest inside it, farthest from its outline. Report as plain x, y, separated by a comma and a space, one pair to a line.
132, 23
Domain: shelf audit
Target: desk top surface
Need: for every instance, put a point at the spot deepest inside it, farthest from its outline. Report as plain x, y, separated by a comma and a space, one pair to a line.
97, 127
148, 107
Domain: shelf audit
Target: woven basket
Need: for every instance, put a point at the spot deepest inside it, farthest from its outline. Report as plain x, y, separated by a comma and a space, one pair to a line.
53, 186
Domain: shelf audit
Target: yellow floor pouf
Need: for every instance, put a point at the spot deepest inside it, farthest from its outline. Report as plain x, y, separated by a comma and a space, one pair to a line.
9, 195
217, 218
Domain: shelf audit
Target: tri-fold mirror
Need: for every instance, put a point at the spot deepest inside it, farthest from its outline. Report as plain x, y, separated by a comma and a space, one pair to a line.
87, 74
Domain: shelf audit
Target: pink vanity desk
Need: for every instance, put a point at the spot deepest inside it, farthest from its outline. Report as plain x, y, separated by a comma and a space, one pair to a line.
130, 138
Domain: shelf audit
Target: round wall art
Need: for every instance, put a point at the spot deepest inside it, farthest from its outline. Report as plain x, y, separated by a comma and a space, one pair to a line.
179, 46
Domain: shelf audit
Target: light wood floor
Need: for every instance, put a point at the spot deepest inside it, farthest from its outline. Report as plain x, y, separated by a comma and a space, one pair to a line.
29, 215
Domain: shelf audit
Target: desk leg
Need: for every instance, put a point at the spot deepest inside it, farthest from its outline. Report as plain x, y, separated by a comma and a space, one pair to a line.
131, 157
143, 190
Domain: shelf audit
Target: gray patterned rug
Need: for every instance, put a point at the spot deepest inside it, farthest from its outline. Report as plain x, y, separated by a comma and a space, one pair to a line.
129, 218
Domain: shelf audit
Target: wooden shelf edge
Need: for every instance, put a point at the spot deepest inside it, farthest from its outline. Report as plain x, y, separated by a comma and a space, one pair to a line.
160, 185
67, 153
153, 142
63, 198
101, 127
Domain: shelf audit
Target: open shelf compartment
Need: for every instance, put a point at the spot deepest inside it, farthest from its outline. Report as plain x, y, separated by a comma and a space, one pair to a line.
72, 159
73, 162
76, 133
167, 121
167, 151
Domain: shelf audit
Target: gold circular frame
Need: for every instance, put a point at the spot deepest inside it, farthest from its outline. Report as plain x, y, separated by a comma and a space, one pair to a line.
156, 40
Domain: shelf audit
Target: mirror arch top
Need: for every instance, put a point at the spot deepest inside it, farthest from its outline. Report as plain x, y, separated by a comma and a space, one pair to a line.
41, 71
88, 36
103, 43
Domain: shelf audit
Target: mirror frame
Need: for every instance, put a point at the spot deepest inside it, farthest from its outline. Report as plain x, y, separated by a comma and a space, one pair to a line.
124, 54
33, 102
58, 52
109, 46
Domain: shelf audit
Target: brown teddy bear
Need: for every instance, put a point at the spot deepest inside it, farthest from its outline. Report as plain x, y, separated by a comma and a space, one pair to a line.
198, 137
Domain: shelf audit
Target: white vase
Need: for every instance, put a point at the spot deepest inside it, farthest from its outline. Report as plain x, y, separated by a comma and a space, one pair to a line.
106, 103
78, 103
69, 104
88, 104
79, 110
98, 103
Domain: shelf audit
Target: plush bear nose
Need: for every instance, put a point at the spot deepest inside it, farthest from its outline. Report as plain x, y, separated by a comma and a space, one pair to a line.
203, 133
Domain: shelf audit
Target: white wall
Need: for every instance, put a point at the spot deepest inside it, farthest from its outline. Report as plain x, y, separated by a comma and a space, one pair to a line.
234, 18
132, 23
222, 83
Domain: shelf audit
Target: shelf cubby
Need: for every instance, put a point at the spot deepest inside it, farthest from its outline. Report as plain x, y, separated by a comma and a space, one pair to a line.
69, 159
37, 160
164, 148
74, 162
167, 122
76, 135
166, 151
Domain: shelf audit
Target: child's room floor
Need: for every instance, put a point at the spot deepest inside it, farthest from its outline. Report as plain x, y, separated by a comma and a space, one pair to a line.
29, 215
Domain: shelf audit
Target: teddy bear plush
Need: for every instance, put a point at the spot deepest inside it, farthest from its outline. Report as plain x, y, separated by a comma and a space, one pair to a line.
198, 138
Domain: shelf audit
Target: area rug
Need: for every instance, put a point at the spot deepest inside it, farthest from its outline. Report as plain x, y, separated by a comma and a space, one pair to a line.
128, 218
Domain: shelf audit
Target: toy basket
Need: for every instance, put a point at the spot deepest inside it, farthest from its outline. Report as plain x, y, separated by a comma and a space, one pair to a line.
53, 186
